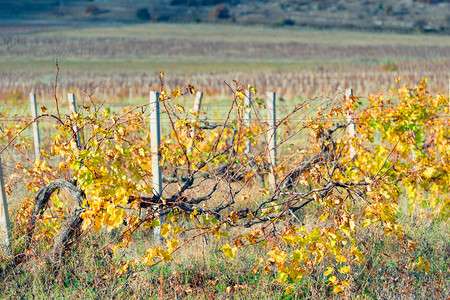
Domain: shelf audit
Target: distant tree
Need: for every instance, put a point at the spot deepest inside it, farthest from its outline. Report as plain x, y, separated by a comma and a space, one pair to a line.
92, 10
432, 1
178, 2
420, 25
285, 22
220, 11
143, 14
200, 2
192, 2
211, 2
387, 8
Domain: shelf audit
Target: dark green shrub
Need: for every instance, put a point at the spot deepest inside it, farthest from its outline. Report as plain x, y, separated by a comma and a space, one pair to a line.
211, 2
387, 8
420, 25
92, 10
143, 14
163, 18
220, 11
285, 22
178, 2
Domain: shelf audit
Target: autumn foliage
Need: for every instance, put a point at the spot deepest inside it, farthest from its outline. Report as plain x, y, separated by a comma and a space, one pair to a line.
402, 149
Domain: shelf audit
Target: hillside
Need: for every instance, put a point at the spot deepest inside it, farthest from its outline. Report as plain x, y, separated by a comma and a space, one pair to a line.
382, 15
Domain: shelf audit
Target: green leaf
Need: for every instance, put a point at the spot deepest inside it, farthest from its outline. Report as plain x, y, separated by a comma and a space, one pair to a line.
260, 102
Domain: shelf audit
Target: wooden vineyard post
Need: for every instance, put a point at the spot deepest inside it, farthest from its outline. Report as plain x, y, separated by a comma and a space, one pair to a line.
248, 147
272, 137
155, 140
5, 226
37, 142
247, 118
196, 109
197, 102
351, 129
73, 110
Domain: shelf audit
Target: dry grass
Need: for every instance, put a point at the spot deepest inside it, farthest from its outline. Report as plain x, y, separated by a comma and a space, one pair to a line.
200, 270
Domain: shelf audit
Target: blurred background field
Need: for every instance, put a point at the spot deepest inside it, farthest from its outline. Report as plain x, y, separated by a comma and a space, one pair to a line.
120, 63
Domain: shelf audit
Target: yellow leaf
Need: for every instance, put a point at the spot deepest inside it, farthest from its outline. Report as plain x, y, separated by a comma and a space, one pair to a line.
333, 280
252, 89
115, 248
176, 93
422, 264
86, 224
298, 255
328, 271
98, 224
146, 166
119, 215
340, 258
344, 270
165, 255
338, 288
172, 244
165, 230
240, 95
288, 239
228, 251
179, 108
346, 232
62, 166
359, 257
430, 173
324, 216
282, 276
152, 224
191, 89
366, 222
148, 257
290, 289
193, 214
176, 230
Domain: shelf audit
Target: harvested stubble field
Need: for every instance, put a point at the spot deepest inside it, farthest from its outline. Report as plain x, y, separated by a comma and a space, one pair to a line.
109, 61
